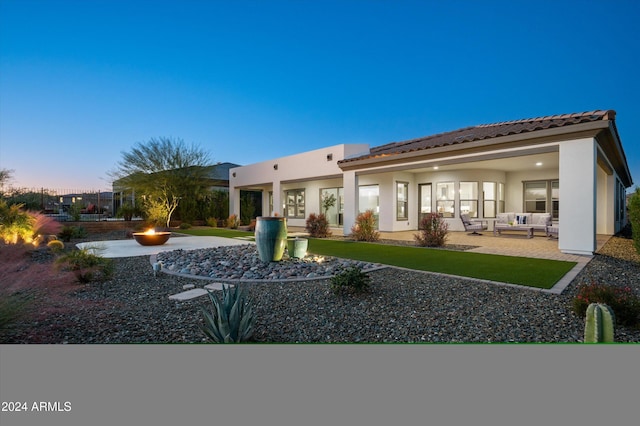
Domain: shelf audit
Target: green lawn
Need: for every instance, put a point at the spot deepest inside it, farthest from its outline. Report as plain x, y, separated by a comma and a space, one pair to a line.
540, 273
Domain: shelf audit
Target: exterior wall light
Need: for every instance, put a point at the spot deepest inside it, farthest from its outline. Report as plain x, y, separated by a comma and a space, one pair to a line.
275, 167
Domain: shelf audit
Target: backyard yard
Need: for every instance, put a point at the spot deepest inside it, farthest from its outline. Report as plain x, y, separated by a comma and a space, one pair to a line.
403, 306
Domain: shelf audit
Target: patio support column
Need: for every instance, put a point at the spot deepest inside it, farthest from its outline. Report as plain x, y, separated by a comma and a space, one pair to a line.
350, 185
578, 193
605, 217
234, 201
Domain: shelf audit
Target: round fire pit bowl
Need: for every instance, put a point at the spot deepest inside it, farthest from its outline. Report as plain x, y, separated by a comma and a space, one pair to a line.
155, 239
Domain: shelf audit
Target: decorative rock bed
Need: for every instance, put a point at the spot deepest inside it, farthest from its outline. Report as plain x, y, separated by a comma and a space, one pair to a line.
242, 263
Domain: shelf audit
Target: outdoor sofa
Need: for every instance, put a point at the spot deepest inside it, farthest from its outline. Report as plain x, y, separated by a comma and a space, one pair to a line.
523, 222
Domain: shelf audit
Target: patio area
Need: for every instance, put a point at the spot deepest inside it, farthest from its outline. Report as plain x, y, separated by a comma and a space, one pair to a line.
507, 244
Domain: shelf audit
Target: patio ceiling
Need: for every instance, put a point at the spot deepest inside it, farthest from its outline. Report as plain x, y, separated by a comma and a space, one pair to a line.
547, 160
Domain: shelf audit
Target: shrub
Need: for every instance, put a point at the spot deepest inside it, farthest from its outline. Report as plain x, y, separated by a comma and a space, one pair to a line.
127, 211
318, 226
66, 233
86, 266
230, 320
19, 225
634, 217
624, 303
69, 232
433, 231
16, 224
79, 232
155, 213
233, 221
185, 225
352, 280
365, 227
74, 212
45, 225
212, 222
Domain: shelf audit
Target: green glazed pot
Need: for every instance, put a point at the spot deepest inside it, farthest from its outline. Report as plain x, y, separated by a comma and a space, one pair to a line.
271, 237
297, 247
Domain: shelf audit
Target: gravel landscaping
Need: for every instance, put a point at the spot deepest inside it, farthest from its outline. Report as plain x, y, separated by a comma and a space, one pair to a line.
402, 306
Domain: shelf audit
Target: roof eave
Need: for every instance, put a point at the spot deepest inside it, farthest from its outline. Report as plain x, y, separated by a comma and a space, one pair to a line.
556, 134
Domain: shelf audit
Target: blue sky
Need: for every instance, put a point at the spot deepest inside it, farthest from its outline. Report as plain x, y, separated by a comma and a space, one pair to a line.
83, 81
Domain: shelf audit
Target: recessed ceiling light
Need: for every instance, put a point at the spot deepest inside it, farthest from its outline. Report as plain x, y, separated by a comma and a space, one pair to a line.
435, 167
538, 164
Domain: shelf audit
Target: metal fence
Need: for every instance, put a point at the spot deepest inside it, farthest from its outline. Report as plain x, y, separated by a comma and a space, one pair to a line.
64, 204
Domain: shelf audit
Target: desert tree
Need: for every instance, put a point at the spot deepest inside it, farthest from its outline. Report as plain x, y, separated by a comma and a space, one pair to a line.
162, 171
5, 177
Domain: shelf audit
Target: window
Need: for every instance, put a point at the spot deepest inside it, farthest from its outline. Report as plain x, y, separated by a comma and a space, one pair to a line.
469, 198
620, 203
368, 199
271, 211
446, 199
555, 199
402, 200
295, 203
489, 196
335, 196
535, 197
542, 196
501, 198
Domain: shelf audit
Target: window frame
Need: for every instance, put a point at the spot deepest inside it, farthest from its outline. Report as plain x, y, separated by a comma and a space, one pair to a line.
475, 213
493, 201
297, 205
444, 201
402, 203
551, 203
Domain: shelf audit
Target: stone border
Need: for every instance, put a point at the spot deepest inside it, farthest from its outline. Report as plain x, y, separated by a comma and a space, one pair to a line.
153, 258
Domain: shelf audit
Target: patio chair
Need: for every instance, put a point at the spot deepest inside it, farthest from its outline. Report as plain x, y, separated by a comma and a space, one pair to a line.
474, 227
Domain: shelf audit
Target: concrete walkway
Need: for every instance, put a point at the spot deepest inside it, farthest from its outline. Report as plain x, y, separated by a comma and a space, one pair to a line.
130, 248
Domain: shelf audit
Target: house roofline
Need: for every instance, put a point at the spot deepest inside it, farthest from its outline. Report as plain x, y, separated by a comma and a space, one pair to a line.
556, 134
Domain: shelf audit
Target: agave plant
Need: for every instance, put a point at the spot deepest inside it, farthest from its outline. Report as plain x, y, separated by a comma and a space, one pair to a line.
230, 320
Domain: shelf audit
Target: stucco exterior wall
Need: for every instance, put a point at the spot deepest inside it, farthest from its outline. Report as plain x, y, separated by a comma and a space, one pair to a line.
587, 191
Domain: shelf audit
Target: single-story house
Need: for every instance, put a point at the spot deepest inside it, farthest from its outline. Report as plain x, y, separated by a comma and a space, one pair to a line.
572, 166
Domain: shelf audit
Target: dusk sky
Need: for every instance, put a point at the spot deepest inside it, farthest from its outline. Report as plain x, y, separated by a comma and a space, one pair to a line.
248, 81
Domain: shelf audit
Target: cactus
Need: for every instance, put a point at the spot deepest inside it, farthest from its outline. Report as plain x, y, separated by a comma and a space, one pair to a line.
229, 321
599, 324
56, 245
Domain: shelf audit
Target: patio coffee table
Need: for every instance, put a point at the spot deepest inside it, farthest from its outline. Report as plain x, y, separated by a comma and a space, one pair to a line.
499, 227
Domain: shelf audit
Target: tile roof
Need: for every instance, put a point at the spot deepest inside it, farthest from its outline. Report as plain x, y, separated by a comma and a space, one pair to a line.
486, 131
